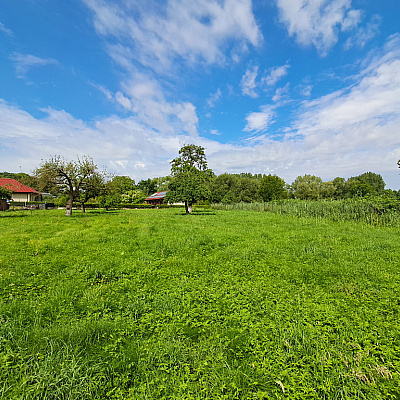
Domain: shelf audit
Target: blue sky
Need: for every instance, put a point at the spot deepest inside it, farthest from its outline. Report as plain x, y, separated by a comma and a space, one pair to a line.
287, 87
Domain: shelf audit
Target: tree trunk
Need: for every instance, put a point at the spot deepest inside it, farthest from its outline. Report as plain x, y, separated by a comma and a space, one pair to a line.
188, 207
83, 207
68, 207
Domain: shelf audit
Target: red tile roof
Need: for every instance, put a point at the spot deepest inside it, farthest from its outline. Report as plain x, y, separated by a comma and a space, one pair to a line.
14, 186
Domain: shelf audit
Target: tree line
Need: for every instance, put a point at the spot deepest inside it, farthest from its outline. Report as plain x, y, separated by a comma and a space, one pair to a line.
81, 181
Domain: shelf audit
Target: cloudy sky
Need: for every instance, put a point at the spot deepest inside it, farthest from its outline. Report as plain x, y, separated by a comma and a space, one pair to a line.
287, 87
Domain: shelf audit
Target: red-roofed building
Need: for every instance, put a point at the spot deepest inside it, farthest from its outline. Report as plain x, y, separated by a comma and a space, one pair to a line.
156, 198
19, 191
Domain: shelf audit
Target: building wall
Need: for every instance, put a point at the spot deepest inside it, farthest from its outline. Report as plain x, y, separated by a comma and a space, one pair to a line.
23, 196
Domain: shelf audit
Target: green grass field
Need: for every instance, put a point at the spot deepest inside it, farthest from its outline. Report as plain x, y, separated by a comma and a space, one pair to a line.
155, 304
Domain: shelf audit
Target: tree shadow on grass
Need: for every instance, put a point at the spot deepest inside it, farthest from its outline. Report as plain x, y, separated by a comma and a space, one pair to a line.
13, 214
201, 211
92, 213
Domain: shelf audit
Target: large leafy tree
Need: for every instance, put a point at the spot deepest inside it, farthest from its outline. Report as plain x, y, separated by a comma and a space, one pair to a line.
306, 187
223, 188
147, 186
272, 188
365, 184
191, 177
235, 188
121, 184
74, 178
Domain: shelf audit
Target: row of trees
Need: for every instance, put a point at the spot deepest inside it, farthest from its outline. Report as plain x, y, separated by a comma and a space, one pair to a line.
190, 181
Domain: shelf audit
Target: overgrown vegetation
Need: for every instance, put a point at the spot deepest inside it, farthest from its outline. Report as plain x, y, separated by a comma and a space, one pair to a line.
383, 211
154, 304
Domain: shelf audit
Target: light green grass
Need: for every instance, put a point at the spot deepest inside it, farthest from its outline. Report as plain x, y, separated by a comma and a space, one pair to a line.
154, 304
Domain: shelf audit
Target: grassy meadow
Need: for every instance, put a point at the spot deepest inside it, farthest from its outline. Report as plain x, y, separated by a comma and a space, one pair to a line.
155, 304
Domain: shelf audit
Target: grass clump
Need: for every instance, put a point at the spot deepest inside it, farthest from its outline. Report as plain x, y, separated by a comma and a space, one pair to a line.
152, 304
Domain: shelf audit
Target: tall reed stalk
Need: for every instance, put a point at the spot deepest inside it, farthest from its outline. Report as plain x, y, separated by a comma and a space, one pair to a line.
337, 210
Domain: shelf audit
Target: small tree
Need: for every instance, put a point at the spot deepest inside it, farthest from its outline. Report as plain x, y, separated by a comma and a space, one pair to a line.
5, 194
93, 186
191, 176
71, 177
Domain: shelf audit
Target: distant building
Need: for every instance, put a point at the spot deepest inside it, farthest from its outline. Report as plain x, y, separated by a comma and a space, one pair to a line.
156, 198
19, 191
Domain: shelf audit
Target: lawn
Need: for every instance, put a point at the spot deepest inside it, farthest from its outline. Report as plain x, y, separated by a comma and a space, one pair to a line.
155, 304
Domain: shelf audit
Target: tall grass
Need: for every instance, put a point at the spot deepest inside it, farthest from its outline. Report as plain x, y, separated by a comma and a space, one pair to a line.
338, 210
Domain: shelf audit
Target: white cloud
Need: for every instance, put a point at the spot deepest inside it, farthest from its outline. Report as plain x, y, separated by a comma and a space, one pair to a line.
186, 112
5, 30
317, 22
103, 90
198, 31
214, 97
24, 62
156, 37
275, 74
248, 82
145, 98
352, 19
305, 90
281, 93
364, 34
122, 145
260, 121
124, 101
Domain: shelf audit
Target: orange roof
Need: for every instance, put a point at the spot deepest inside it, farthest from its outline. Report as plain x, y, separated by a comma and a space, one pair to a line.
14, 186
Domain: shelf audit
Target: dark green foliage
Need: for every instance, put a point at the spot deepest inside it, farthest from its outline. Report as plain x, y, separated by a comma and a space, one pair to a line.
121, 184
224, 188
109, 201
272, 188
306, 187
365, 184
4, 193
148, 186
372, 179
235, 188
340, 188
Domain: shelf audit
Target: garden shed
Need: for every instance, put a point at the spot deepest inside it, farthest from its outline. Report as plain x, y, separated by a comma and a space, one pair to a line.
156, 198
